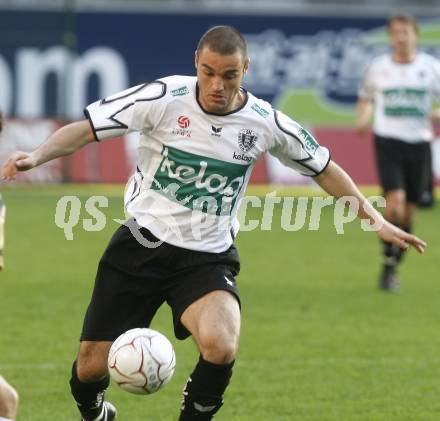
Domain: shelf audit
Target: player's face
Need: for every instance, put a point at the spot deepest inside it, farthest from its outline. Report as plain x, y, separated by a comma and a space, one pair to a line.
219, 78
403, 37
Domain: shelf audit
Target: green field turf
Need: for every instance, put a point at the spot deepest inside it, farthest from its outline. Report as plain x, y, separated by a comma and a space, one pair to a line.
319, 341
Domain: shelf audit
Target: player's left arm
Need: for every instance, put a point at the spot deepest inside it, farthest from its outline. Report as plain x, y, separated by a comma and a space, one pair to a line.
336, 182
296, 148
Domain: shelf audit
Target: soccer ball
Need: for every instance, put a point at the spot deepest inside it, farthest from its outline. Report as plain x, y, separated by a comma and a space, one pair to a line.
141, 361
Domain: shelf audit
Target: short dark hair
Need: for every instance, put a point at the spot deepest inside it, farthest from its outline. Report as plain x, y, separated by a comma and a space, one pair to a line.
224, 40
403, 18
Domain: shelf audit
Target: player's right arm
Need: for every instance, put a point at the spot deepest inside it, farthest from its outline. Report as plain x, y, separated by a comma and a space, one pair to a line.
64, 141
131, 110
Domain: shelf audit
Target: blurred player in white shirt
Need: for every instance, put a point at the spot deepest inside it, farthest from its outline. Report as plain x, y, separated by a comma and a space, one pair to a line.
401, 89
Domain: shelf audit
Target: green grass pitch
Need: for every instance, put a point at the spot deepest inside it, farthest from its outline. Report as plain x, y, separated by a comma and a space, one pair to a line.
319, 341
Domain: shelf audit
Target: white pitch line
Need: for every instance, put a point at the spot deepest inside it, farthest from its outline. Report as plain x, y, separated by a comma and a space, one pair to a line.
386, 361
24, 366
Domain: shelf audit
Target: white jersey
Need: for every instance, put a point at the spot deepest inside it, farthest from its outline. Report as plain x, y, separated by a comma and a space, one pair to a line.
194, 166
403, 95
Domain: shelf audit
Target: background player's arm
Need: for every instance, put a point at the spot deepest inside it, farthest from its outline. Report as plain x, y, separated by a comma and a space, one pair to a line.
364, 111
336, 182
64, 141
364, 105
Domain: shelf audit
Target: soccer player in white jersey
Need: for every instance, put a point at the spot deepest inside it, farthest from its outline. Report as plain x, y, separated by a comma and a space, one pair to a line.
401, 88
200, 137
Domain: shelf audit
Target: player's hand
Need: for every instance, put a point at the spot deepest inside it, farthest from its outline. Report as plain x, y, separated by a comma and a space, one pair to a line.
400, 238
18, 161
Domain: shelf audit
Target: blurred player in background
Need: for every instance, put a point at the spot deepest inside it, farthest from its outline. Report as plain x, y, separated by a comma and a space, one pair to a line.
402, 88
2, 215
8, 395
2, 231
200, 138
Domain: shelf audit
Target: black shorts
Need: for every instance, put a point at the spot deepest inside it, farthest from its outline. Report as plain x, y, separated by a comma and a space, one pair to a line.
133, 281
403, 165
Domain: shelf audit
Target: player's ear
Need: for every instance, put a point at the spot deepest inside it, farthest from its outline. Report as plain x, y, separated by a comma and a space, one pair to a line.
196, 58
246, 65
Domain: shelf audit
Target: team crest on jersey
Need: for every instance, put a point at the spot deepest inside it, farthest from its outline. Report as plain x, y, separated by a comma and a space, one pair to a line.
247, 139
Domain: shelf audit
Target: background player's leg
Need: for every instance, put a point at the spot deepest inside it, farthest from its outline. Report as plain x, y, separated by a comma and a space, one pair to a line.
90, 379
410, 210
8, 401
405, 223
426, 197
395, 212
2, 231
408, 219
214, 322
395, 206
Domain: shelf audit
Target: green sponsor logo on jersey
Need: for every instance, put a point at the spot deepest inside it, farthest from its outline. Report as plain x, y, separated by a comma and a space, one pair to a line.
309, 141
405, 102
198, 182
260, 110
180, 91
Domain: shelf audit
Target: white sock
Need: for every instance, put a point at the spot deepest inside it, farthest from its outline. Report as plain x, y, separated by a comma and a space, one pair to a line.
5, 419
